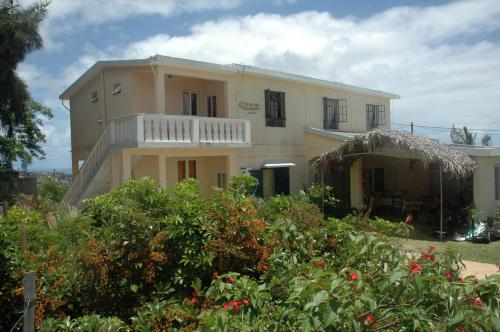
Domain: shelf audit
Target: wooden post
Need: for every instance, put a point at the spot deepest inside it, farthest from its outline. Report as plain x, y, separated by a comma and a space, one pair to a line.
441, 197
4, 209
29, 302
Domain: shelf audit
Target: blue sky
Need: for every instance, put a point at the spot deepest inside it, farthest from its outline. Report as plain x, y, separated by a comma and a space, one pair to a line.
442, 57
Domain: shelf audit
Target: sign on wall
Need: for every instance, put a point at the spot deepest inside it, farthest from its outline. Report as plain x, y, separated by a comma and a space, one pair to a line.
248, 106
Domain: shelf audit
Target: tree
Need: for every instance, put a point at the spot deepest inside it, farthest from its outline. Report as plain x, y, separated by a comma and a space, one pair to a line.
486, 140
51, 190
462, 136
20, 115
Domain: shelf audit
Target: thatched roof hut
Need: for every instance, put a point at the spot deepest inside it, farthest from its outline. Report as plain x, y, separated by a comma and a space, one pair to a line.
452, 162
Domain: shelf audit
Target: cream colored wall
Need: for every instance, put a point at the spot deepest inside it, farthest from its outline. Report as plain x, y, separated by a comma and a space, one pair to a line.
84, 117
484, 185
148, 162
145, 166
176, 85
143, 93
416, 181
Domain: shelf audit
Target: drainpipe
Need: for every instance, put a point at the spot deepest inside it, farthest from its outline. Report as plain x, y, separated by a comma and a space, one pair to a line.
104, 110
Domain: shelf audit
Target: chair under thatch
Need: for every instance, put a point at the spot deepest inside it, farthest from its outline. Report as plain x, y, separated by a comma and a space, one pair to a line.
452, 162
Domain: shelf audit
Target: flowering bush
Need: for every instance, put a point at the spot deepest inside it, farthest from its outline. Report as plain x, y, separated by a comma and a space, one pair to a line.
148, 259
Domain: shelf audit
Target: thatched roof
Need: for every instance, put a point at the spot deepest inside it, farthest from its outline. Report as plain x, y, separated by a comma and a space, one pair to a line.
428, 151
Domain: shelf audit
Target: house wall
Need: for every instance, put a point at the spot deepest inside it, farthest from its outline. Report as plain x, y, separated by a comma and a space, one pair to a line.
304, 107
416, 181
484, 185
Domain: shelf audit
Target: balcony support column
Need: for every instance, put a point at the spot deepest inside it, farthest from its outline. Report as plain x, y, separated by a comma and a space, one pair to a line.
126, 166
162, 170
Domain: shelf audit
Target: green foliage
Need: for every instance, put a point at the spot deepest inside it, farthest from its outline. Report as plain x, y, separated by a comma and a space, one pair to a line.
50, 191
244, 184
20, 122
89, 323
146, 259
486, 140
322, 196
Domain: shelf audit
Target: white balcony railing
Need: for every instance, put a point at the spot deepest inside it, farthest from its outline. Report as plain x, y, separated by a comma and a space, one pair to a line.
144, 129
158, 130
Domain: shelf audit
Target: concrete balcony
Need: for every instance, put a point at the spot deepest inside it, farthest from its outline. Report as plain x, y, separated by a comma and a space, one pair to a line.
158, 130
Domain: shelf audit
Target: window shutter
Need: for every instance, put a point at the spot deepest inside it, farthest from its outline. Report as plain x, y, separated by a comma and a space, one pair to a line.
268, 103
283, 109
325, 112
214, 106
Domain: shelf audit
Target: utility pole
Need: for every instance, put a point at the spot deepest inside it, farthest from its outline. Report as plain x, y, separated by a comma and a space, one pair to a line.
412, 127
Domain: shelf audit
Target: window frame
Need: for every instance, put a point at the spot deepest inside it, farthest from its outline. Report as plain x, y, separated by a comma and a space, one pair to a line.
186, 169
379, 117
275, 118
337, 106
212, 106
190, 108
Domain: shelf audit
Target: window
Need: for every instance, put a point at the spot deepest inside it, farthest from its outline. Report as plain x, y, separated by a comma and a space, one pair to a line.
117, 88
186, 169
212, 106
222, 180
275, 108
335, 111
189, 103
375, 116
497, 182
93, 97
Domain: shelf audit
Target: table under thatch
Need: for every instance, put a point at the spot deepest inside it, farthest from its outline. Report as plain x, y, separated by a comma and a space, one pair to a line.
451, 162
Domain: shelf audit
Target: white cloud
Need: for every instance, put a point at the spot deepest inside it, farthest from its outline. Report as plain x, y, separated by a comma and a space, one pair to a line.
66, 16
426, 54
438, 58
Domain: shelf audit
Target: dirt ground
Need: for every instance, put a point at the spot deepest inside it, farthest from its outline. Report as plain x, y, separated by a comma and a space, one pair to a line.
480, 270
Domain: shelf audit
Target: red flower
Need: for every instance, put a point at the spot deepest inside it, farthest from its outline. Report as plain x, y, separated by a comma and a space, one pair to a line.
448, 275
264, 267
245, 302
369, 320
194, 299
230, 280
460, 279
215, 275
409, 218
415, 267
428, 257
225, 306
461, 328
478, 302
236, 304
320, 265
354, 276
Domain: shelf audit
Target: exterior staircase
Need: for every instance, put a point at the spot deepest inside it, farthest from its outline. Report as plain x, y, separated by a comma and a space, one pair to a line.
151, 131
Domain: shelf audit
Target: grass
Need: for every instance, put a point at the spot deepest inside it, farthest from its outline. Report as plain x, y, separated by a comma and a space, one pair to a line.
478, 252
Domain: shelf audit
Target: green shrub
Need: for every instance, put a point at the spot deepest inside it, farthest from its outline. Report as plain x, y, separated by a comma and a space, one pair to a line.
147, 259
51, 191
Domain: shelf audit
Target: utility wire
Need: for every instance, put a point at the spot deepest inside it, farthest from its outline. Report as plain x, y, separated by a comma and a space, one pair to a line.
496, 132
24, 313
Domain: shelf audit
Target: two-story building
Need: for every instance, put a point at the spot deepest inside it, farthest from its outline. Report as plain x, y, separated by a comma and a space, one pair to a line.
170, 118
